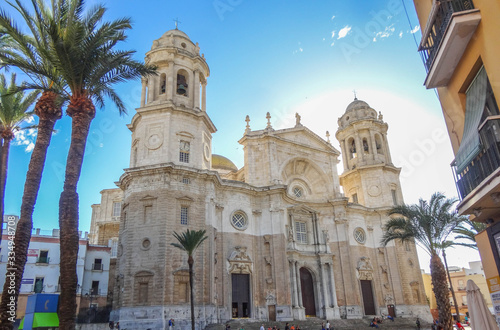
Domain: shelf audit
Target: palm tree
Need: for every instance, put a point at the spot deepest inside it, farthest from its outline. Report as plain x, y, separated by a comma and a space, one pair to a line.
469, 233
189, 241
27, 53
429, 224
14, 105
84, 55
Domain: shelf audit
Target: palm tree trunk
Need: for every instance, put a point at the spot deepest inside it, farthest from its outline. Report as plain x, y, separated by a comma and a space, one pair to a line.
440, 288
82, 112
4, 158
190, 263
457, 310
22, 238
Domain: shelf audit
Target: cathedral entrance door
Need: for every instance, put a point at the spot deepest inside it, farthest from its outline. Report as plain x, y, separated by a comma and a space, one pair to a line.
241, 295
307, 288
391, 310
272, 312
368, 301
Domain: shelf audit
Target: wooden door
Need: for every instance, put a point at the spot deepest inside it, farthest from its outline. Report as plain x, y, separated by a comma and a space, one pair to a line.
272, 312
368, 301
241, 295
307, 287
391, 310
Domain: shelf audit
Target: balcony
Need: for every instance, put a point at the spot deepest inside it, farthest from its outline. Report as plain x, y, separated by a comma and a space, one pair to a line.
449, 29
478, 184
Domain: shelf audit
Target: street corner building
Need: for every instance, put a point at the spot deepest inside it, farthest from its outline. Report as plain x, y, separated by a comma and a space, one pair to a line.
284, 242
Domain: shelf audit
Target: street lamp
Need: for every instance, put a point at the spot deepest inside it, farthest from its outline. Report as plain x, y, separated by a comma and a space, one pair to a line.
91, 309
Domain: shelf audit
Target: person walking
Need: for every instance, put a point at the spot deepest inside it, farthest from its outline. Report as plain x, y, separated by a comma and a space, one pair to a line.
171, 324
262, 327
327, 325
418, 323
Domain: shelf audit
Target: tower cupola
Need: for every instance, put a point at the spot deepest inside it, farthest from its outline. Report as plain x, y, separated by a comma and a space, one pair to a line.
363, 136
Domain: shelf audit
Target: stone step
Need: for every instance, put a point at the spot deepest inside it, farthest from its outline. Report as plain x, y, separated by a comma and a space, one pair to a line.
315, 324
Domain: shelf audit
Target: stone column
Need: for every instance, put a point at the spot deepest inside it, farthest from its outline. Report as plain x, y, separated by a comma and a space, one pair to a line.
345, 156
359, 148
294, 283
143, 92
324, 284
299, 289
196, 87
333, 291
170, 81
151, 90
191, 88
204, 96
386, 145
373, 144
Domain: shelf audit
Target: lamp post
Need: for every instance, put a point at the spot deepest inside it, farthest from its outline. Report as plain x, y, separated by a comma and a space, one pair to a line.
91, 309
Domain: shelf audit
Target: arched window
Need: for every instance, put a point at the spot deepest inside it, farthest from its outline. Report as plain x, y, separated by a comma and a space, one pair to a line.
163, 83
366, 148
378, 143
351, 145
182, 83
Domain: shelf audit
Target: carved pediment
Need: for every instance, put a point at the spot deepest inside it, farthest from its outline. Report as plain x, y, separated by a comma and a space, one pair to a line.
239, 261
365, 269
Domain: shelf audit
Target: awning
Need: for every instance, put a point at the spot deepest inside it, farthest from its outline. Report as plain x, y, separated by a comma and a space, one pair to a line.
470, 146
42, 320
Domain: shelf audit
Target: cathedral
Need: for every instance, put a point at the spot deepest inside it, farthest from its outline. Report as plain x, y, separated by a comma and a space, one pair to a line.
285, 242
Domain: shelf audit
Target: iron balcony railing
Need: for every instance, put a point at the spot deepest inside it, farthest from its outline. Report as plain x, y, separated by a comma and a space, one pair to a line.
485, 163
436, 27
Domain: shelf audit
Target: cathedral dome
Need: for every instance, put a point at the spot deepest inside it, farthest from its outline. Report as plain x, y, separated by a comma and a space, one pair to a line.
356, 105
175, 32
222, 163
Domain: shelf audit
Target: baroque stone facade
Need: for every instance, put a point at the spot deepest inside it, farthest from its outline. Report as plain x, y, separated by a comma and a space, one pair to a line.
284, 242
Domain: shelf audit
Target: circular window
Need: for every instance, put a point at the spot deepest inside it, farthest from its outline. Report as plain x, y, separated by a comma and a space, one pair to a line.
239, 220
298, 192
360, 235
146, 244
183, 45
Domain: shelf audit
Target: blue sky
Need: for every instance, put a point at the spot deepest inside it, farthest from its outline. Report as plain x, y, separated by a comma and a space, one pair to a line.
277, 56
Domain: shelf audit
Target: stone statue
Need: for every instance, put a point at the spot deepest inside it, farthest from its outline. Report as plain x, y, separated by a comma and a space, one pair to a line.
297, 119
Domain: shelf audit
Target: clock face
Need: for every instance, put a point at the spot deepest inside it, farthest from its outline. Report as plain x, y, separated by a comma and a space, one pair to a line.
185, 146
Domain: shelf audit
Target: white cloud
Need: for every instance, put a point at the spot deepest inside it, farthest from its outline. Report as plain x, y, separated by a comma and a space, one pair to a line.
401, 34
25, 138
333, 43
415, 29
301, 50
388, 31
333, 17
333, 34
344, 31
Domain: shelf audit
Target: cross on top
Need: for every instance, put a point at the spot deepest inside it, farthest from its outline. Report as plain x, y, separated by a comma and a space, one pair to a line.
354, 91
177, 23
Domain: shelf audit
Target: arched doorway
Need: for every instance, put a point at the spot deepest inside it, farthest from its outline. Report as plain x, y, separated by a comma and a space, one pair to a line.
240, 295
307, 288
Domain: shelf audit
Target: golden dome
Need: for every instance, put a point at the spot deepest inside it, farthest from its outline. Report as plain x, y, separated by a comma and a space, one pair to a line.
222, 163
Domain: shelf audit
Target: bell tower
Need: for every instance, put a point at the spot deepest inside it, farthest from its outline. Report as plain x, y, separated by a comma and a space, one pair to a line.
171, 125
369, 177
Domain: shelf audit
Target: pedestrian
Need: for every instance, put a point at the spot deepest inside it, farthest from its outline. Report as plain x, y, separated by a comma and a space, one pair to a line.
171, 324
111, 324
287, 327
323, 326
418, 323
117, 325
327, 325
262, 327
460, 326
